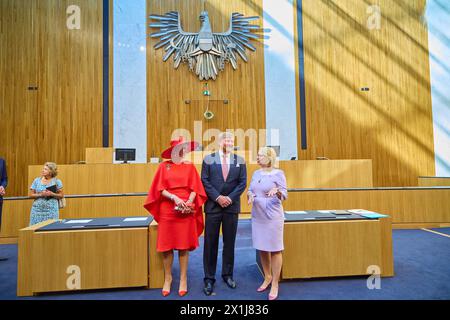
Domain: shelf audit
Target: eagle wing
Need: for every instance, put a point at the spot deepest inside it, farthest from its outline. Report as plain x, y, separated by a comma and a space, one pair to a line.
172, 37
234, 42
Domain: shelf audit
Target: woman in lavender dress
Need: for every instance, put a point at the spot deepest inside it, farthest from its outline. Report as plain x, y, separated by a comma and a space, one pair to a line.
267, 190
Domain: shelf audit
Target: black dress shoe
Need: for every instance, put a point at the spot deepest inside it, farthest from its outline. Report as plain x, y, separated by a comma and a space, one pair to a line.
230, 282
3, 259
208, 289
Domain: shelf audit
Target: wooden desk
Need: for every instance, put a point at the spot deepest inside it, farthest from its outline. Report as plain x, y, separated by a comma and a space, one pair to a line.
337, 248
433, 181
409, 207
99, 155
107, 258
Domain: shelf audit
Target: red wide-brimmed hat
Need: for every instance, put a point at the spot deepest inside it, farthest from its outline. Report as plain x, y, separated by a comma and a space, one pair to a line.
177, 145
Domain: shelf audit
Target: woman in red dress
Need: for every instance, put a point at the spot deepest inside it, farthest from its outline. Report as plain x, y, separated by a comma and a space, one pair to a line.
175, 201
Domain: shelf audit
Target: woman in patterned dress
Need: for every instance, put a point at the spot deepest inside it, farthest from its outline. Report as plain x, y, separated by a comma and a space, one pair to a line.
45, 205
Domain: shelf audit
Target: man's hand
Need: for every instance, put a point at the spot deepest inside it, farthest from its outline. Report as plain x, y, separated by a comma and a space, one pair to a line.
223, 201
2, 191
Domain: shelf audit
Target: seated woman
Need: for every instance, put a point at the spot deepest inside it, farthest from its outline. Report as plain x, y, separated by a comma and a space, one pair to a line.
175, 200
46, 190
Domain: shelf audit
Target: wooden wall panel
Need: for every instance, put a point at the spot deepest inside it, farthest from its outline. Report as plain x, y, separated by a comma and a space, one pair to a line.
168, 88
390, 124
64, 116
130, 178
99, 155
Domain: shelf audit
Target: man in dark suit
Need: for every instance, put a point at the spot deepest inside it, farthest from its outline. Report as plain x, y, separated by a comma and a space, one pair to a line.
3, 184
224, 177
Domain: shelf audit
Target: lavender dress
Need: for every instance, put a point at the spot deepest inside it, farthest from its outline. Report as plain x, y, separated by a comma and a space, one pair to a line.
268, 213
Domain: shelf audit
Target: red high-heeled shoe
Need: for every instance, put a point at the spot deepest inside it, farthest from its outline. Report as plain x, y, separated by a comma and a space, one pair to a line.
182, 293
165, 293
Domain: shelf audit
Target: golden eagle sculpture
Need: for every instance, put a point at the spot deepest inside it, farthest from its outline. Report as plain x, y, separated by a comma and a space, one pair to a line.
205, 52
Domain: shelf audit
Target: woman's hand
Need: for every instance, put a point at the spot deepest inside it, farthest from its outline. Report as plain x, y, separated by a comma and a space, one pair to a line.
250, 198
46, 193
272, 192
180, 203
186, 210
189, 207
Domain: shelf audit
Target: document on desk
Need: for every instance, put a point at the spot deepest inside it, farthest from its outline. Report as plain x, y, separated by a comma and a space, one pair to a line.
368, 214
341, 212
324, 211
358, 211
296, 212
78, 221
135, 219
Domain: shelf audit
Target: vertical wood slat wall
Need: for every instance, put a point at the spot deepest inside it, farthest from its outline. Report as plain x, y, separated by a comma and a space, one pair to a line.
64, 116
167, 88
392, 123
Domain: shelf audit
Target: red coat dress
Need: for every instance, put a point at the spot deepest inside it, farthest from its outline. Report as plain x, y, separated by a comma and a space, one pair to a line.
175, 229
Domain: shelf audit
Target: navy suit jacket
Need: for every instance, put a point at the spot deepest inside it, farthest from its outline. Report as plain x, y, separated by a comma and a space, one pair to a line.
215, 185
3, 176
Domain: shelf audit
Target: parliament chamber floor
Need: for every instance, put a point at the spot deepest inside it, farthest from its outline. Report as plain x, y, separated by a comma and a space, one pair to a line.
420, 263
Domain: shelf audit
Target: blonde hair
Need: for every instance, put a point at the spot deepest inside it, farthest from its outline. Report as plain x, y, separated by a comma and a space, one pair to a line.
270, 154
52, 168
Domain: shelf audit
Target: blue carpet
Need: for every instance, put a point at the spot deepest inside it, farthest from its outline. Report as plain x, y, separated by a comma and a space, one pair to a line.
442, 230
421, 265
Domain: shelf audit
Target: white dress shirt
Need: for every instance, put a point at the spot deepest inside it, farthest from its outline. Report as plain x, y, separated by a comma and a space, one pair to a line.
227, 158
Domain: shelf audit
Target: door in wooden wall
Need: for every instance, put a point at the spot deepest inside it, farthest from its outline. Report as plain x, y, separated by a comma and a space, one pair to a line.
51, 85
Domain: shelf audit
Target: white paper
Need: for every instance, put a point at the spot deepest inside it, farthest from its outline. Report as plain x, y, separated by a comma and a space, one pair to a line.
78, 221
324, 211
360, 211
135, 219
296, 212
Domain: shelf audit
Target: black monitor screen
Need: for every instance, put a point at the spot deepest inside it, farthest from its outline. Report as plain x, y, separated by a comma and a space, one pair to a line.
125, 155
